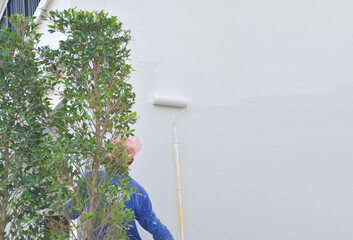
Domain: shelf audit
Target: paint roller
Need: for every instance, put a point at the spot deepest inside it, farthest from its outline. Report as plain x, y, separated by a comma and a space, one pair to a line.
170, 102
177, 103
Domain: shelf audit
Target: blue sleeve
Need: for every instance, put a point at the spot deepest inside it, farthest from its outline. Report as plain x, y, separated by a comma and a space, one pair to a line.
148, 219
70, 209
69, 212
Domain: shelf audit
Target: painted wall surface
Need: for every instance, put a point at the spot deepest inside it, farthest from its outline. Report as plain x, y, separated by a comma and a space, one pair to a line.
266, 146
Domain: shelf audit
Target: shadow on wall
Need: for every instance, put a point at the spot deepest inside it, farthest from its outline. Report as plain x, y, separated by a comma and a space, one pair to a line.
278, 167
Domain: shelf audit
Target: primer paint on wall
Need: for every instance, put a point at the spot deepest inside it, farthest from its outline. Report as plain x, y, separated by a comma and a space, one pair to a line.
265, 148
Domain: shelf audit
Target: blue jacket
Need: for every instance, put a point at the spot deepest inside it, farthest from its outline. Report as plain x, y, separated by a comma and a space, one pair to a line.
141, 205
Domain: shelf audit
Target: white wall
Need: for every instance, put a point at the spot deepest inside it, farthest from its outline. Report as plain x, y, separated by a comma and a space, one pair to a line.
266, 147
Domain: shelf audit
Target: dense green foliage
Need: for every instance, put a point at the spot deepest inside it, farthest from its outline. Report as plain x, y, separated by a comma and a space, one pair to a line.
92, 64
24, 110
40, 173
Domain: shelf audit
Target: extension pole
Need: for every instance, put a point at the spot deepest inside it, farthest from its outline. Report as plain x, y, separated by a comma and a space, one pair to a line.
176, 156
178, 103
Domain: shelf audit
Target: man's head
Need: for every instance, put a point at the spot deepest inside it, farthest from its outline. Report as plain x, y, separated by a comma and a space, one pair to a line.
132, 144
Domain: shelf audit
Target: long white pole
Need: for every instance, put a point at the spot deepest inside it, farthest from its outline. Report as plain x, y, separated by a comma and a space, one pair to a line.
176, 157
179, 103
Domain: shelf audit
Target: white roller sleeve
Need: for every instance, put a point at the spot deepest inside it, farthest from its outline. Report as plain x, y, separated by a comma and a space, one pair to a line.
170, 101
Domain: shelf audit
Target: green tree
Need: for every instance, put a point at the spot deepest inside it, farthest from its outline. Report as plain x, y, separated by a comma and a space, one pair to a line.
24, 109
93, 67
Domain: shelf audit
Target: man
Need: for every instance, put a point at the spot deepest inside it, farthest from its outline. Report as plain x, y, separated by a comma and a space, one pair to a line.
139, 201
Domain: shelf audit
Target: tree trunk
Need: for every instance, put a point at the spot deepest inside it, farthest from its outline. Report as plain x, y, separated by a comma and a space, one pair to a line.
92, 183
6, 195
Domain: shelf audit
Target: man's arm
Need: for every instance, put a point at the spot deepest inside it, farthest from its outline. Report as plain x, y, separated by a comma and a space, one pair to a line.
70, 212
148, 219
